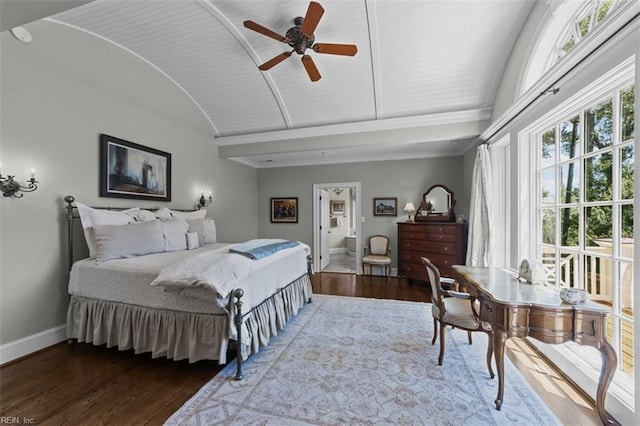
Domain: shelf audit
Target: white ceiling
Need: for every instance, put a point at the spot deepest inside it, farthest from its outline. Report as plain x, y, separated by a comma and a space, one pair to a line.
422, 84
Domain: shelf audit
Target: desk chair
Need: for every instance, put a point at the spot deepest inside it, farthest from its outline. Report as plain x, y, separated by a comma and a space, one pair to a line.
456, 309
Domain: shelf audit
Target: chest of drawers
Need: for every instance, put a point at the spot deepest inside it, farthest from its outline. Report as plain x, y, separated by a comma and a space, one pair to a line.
445, 244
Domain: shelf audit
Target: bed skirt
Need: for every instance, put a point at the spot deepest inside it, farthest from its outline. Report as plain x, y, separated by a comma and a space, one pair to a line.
182, 335
264, 320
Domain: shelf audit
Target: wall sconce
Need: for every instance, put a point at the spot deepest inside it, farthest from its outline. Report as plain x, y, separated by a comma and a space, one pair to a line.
203, 202
409, 208
13, 188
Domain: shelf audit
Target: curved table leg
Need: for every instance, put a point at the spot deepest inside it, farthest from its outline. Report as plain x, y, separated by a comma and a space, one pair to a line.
499, 339
490, 355
609, 362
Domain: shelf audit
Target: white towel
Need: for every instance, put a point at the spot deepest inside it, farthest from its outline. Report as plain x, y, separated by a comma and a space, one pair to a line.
340, 222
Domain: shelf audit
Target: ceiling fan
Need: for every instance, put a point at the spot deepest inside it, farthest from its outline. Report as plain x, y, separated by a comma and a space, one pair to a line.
300, 38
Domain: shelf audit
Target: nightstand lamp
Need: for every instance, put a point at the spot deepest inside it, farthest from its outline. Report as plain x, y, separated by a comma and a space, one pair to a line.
409, 208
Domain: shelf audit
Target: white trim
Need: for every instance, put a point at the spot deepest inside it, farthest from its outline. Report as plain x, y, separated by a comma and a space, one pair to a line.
457, 117
588, 95
316, 219
526, 187
362, 158
499, 153
27, 345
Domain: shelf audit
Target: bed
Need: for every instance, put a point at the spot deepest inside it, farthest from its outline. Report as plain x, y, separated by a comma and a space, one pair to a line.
182, 295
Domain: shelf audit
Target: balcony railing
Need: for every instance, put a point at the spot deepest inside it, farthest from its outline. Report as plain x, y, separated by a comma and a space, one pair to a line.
598, 271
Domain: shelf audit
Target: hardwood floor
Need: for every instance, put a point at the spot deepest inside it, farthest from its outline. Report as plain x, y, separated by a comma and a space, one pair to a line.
96, 385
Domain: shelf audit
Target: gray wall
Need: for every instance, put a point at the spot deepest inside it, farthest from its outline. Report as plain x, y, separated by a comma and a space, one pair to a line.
405, 179
58, 94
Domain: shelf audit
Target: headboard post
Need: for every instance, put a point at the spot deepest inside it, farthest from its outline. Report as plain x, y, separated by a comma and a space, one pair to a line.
69, 200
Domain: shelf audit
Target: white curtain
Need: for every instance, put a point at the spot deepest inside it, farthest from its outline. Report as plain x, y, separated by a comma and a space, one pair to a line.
478, 250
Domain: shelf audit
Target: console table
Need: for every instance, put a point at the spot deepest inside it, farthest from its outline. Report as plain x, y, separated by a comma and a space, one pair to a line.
518, 309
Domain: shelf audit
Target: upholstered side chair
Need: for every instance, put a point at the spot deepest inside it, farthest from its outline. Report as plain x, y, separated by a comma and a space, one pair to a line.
456, 309
377, 254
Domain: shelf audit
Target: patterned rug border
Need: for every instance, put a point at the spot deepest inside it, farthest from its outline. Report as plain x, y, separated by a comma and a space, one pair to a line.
223, 400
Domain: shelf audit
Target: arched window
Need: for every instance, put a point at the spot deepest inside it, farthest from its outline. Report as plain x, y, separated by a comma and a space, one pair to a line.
568, 24
585, 19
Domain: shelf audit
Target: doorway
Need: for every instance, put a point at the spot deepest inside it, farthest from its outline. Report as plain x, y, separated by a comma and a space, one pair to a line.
336, 227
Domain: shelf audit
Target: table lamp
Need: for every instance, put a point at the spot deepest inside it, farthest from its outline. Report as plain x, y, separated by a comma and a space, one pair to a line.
409, 208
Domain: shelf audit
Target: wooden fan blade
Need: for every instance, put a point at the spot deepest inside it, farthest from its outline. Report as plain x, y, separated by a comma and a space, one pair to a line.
274, 61
336, 49
311, 19
311, 68
264, 31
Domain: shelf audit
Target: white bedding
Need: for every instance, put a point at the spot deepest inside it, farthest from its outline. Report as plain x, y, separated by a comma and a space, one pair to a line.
128, 280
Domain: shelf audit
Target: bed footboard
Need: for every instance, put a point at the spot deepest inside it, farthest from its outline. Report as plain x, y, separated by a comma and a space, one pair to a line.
262, 321
238, 293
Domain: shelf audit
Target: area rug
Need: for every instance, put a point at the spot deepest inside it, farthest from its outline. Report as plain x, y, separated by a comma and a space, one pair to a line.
347, 360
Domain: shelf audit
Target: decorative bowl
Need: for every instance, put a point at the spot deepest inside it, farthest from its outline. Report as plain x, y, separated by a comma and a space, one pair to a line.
573, 296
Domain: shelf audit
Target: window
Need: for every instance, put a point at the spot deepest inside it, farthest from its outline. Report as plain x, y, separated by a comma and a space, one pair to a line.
585, 207
590, 14
567, 25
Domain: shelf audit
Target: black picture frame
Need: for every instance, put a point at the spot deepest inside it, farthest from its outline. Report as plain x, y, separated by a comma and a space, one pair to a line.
284, 210
131, 170
385, 206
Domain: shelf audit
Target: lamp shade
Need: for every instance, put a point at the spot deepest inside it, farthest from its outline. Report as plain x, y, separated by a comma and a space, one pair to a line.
409, 207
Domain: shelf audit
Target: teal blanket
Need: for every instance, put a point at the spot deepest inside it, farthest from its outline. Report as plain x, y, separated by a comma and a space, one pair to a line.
261, 248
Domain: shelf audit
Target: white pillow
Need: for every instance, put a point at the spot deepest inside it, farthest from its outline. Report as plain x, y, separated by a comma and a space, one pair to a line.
194, 215
143, 215
206, 230
90, 217
175, 231
163, 213
123, 241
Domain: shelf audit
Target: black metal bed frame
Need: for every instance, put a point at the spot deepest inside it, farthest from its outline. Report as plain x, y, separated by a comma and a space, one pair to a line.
237, 293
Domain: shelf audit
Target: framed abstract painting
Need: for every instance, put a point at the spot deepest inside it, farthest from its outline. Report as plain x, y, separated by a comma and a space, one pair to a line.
130, 170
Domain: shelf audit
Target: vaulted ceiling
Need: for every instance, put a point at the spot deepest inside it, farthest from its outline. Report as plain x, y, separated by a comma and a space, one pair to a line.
422, 83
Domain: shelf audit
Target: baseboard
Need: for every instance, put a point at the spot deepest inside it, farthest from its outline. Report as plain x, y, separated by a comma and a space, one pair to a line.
27, 345
378, 272
337, 250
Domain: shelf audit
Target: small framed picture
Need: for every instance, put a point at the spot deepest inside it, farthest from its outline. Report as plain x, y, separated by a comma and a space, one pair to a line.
284, 210
337, 207
385, 206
